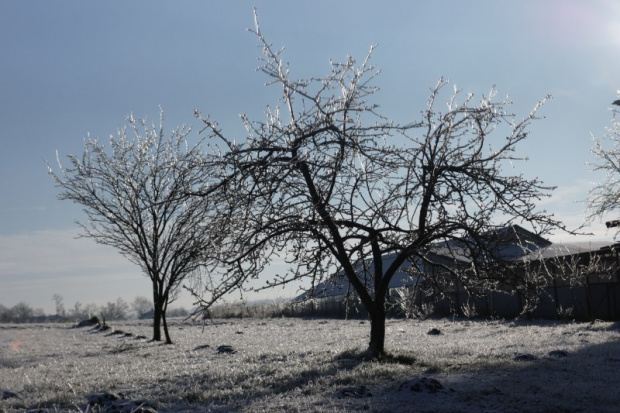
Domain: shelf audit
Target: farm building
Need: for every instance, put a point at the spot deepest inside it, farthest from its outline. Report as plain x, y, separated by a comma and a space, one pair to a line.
539, 279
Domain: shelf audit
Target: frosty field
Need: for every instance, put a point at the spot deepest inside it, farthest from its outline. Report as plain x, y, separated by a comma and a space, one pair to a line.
313, 365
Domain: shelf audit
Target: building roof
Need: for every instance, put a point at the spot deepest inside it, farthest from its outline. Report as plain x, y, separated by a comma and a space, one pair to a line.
511, 243
557, 250
339, 285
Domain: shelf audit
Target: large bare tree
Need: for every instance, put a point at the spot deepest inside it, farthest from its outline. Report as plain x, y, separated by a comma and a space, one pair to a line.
332, 186
135, 196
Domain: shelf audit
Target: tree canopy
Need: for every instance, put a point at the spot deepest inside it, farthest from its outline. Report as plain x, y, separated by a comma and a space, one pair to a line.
136, 198
332, 185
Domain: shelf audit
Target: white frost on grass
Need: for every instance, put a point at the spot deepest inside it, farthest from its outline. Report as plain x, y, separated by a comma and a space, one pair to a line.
311, 365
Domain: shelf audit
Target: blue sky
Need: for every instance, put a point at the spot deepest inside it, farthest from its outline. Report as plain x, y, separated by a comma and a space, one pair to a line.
72, 68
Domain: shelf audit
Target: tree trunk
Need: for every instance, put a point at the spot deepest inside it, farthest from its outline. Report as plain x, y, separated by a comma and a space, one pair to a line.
157, 313
163, 318
377, 329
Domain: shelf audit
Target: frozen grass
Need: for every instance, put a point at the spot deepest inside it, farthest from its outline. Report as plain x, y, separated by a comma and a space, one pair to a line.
315, 365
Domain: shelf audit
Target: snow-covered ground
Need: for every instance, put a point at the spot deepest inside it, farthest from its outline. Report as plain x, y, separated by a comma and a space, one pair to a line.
312, 365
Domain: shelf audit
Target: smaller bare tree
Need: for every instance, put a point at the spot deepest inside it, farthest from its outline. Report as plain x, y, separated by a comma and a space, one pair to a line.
142, 306
580, 270
135, 195
59, 305
115, 310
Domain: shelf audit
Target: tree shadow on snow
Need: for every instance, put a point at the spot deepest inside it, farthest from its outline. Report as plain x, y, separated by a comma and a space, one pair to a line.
554, 380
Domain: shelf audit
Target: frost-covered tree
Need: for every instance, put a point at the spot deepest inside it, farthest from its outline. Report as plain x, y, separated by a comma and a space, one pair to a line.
59, 305
142, 306
22, 312
5, 314
114, 311
332, 186
604, 197
135, 196
81, 312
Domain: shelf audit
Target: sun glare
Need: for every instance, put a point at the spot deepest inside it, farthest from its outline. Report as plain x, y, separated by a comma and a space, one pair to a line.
579, 24
574, 27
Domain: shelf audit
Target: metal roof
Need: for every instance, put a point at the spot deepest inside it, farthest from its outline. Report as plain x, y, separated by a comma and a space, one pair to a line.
574, 248
512, 243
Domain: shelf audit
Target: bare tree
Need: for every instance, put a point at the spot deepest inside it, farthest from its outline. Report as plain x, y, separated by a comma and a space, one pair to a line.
142, 306
604, 198
5, 314
114, 311
577, 270
135, 197
60, 307
22, 313
80, 311
332, 186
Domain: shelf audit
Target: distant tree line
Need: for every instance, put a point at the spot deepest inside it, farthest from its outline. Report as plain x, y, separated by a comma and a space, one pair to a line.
140, 307
20, 313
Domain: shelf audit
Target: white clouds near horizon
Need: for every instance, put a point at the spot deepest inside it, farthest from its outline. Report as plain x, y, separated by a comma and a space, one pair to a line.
34, 265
